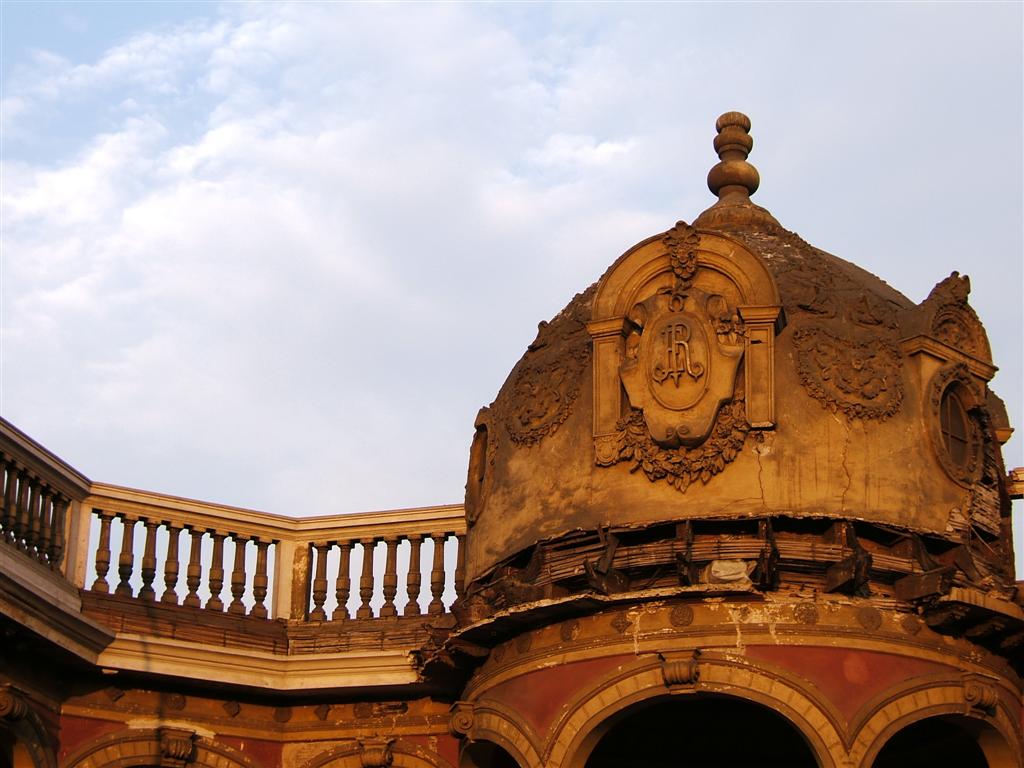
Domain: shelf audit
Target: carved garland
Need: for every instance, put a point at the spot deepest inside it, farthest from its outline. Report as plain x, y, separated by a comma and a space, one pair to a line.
861, 379
680, 467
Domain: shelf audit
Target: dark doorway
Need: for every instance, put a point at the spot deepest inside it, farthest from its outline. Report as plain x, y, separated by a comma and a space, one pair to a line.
931, 742
702, 732
484, 754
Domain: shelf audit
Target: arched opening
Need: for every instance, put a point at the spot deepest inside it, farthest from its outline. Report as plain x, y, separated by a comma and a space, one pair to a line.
486, 754
701, 731
946, 740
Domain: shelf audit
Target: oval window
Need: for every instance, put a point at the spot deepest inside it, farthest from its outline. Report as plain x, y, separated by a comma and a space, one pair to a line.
956, 428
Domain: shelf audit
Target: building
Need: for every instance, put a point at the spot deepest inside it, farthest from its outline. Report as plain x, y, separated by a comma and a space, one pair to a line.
740, 503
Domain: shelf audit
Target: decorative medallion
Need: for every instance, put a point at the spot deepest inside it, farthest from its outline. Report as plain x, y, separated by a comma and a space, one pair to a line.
523, 642
806, 613
680, 616
546, 381
620, 623
861, 379
955, 402
569, 630
682, 357
869, 618
680, 467
911, 624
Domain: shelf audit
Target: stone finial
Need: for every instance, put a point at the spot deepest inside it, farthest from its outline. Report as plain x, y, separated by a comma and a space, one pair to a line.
733, 175
733, 179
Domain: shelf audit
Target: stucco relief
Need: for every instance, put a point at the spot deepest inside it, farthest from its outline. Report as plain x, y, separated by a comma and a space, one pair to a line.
860, 378
684, 347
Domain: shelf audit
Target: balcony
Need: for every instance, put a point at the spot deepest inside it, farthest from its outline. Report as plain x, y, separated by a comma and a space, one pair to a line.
140, 582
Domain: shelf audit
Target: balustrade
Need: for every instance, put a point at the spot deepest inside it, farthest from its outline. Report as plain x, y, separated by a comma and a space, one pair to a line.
37, 491
163, 550
357, 567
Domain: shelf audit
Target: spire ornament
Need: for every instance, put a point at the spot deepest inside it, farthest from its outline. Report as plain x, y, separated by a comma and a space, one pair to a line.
733, 179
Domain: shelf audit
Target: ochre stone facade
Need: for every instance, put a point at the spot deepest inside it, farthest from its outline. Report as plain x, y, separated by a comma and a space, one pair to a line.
739, 503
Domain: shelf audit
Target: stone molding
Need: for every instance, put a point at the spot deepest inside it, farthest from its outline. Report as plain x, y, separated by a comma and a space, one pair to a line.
164, 746
378, 753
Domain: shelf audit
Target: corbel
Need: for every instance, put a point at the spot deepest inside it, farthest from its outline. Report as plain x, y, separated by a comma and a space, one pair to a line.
680, 672
852, 574
177, 747
375, 753
686, 569
601, 576
766, 572
980, 694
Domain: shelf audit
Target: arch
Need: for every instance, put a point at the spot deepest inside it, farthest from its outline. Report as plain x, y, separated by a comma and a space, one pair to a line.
577, 733
644, 262
404, 754
494, 723
700, 729
24, 740
486, 754
996, 732
133, 748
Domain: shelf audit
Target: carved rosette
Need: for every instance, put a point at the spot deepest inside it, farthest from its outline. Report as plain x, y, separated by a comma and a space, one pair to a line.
861, 379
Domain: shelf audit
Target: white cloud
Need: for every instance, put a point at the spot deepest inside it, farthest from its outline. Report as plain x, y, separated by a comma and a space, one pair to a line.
316, 237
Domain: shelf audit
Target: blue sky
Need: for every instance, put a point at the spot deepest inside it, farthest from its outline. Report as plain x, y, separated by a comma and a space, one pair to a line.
213, 214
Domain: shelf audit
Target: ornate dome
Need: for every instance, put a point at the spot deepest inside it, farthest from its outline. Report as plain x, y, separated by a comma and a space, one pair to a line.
728, 373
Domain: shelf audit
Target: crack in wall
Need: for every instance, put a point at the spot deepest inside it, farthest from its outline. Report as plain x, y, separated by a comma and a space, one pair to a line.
843, 457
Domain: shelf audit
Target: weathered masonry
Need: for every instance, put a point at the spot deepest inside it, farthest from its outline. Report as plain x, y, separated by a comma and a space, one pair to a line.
740, 503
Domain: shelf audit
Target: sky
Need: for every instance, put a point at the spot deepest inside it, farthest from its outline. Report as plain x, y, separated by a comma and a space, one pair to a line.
277, 255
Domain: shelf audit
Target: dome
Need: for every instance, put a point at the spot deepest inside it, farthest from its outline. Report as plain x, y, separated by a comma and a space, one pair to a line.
727, 372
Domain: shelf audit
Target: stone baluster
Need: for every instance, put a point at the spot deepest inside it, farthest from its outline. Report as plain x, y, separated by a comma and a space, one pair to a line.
460, 566
390, 577
103, 554
414, 580
149, 561
47, 511
194, 570
437, 575
171, 566
320, 583
238, 577
35, 514
343, 584
21, 519
10, 500
55, 550
366, 581
216, 573
126, 560
260, 581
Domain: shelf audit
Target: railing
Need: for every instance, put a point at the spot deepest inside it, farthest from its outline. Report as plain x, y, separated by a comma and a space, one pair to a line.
38, 490
155, 549
320, 569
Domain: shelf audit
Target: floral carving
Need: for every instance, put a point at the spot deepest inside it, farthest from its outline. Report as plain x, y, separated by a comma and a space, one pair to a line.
682, 242
542, 397
680, 467
861, 379
546, 382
